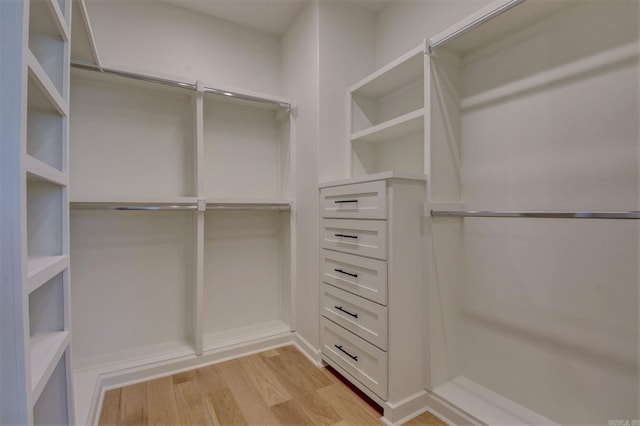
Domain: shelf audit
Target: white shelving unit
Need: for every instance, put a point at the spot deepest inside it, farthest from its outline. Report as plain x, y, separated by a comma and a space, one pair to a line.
531, 105
387, 118
184, 254
43, 347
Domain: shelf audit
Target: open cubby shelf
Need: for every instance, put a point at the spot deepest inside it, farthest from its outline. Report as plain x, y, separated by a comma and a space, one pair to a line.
388, 118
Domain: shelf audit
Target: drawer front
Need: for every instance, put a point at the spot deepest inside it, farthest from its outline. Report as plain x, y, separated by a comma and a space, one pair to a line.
360, 316
361, 359
361, 200
361, 237
358, 275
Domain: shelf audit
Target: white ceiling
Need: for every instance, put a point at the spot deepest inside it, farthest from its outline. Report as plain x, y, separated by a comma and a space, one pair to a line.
270, 16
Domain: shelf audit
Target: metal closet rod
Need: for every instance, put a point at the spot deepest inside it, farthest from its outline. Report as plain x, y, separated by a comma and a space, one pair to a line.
190, 207
537, 214
489, 16
178, 84
135, 208
248, 207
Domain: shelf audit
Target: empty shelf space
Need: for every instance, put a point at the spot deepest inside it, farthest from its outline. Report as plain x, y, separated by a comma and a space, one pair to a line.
83, 47
247, 203
46, 351
399, 73
50, 97
37, 170
486, 405
46, 17
134, 203
392, 129
41, 269
246, 334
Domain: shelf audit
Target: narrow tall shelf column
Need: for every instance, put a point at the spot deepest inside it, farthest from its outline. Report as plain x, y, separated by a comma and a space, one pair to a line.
43, 114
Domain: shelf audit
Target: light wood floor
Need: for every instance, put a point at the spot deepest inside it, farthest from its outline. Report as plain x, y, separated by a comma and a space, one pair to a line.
277, 387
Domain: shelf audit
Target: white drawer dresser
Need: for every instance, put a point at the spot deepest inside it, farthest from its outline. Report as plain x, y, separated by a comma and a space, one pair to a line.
372, 289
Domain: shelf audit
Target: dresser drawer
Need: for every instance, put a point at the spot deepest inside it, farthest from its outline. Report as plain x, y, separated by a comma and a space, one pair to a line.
361, 237
360, 316
356, 274
361, 359
361, 200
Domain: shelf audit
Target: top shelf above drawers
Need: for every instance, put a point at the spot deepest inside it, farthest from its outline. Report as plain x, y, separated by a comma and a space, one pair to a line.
366, 200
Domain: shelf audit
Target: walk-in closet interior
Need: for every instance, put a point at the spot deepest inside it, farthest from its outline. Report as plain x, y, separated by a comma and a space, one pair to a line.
438, 200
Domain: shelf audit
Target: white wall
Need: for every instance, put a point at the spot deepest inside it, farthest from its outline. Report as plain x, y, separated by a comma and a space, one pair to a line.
346, 56
159, 37
402, 25
300, 76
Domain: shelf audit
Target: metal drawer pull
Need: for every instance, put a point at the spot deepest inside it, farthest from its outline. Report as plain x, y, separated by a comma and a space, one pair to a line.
346, 273
345, 201
340, 308
353, 357
345, 235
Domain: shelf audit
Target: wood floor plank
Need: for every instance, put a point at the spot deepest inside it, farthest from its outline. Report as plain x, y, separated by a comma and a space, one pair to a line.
313, 405
270, 353
270, 388
291, 413
190, 400
302, 367
162, 407
248, 398
110, 407
211, 379
224, 408
342, 400
133, 405
425, 419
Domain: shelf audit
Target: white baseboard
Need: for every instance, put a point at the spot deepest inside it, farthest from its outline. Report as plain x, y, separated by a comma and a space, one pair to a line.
308, 350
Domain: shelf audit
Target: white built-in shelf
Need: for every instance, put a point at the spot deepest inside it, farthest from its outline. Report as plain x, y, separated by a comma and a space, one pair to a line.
38, 170
405, 124
41, 269
83, 45
499, 28
374, 176
399, 73
255, 332
247, 202
487, 406
49, 96
46, 351
130, 201
47, 18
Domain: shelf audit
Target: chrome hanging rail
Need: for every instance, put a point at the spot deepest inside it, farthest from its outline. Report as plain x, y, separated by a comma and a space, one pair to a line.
179, 84
176, 207
454, 35
135, 76
537, 214
91, 206
236, 207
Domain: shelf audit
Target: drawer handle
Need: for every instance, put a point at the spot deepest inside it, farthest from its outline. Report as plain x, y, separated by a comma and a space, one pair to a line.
345, 201
346, 273
346, 236
353, 357
340, 308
